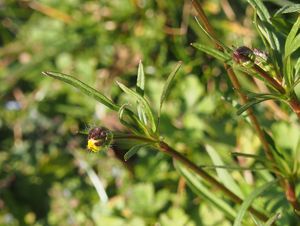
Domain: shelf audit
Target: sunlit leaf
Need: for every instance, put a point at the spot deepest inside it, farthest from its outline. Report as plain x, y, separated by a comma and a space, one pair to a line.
140, 83
144, 102
84, 88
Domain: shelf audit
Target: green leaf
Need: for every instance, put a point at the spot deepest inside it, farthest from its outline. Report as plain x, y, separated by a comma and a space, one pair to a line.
297, 68
272, 219
212, 38
256, 221
132, 151
262, 11
195, 183
146, 107
248, 201
84, 88
129, 119
292, 8
291, 37
223, 174
213, 52
140, 89
255, 98
248, 105
168, 85
222, 167
140, 83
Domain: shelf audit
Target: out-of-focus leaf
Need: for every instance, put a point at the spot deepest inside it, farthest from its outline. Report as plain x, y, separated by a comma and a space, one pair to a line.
255, 98
262, 11
213, 52
249, 200
84, 88
223, 175
292, 8
132, 151
249, 104
272, 219
140, 83
196, 185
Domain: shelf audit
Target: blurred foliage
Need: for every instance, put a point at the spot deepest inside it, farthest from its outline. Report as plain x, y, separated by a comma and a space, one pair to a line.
47, 177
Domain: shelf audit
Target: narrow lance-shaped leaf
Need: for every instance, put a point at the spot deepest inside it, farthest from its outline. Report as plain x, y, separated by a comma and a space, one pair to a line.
290, 8
249, 104
84, 88
132, 151
132, 122
272, 219
289, 43
199, 189
140, 82
168, 84
224, 176
140, 89
262, 11
212, 38
144, 103
248, 201
224, 57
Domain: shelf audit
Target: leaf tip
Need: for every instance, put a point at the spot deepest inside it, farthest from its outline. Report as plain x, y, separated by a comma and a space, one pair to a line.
45, 73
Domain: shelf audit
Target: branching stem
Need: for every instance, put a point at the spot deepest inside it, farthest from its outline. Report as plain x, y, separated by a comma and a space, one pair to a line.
294, 103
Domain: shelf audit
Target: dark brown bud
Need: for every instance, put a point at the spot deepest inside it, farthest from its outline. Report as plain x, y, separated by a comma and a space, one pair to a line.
99, 138
242, 54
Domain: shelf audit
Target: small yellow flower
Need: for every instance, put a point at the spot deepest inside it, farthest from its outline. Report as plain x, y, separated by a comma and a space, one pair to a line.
99, 138
92, 145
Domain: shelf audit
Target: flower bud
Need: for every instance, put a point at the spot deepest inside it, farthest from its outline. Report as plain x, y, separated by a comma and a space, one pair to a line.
99, 138
244, 56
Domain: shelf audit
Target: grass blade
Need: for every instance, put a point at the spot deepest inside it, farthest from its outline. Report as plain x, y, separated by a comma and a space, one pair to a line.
84, 88
248, 201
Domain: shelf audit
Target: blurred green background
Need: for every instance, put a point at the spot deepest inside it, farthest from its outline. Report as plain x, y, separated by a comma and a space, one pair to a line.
47, 177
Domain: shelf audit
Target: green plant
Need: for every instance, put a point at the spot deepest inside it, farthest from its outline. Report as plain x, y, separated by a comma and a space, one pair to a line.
278, 71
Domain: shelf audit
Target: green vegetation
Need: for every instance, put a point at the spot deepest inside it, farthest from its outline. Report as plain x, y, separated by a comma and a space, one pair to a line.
190, 111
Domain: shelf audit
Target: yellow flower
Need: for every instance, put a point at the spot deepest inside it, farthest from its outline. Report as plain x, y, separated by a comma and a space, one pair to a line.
99, 138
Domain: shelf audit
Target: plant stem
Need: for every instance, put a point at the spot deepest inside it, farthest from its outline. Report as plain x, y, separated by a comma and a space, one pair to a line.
294, 103
199, 171
202, 17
